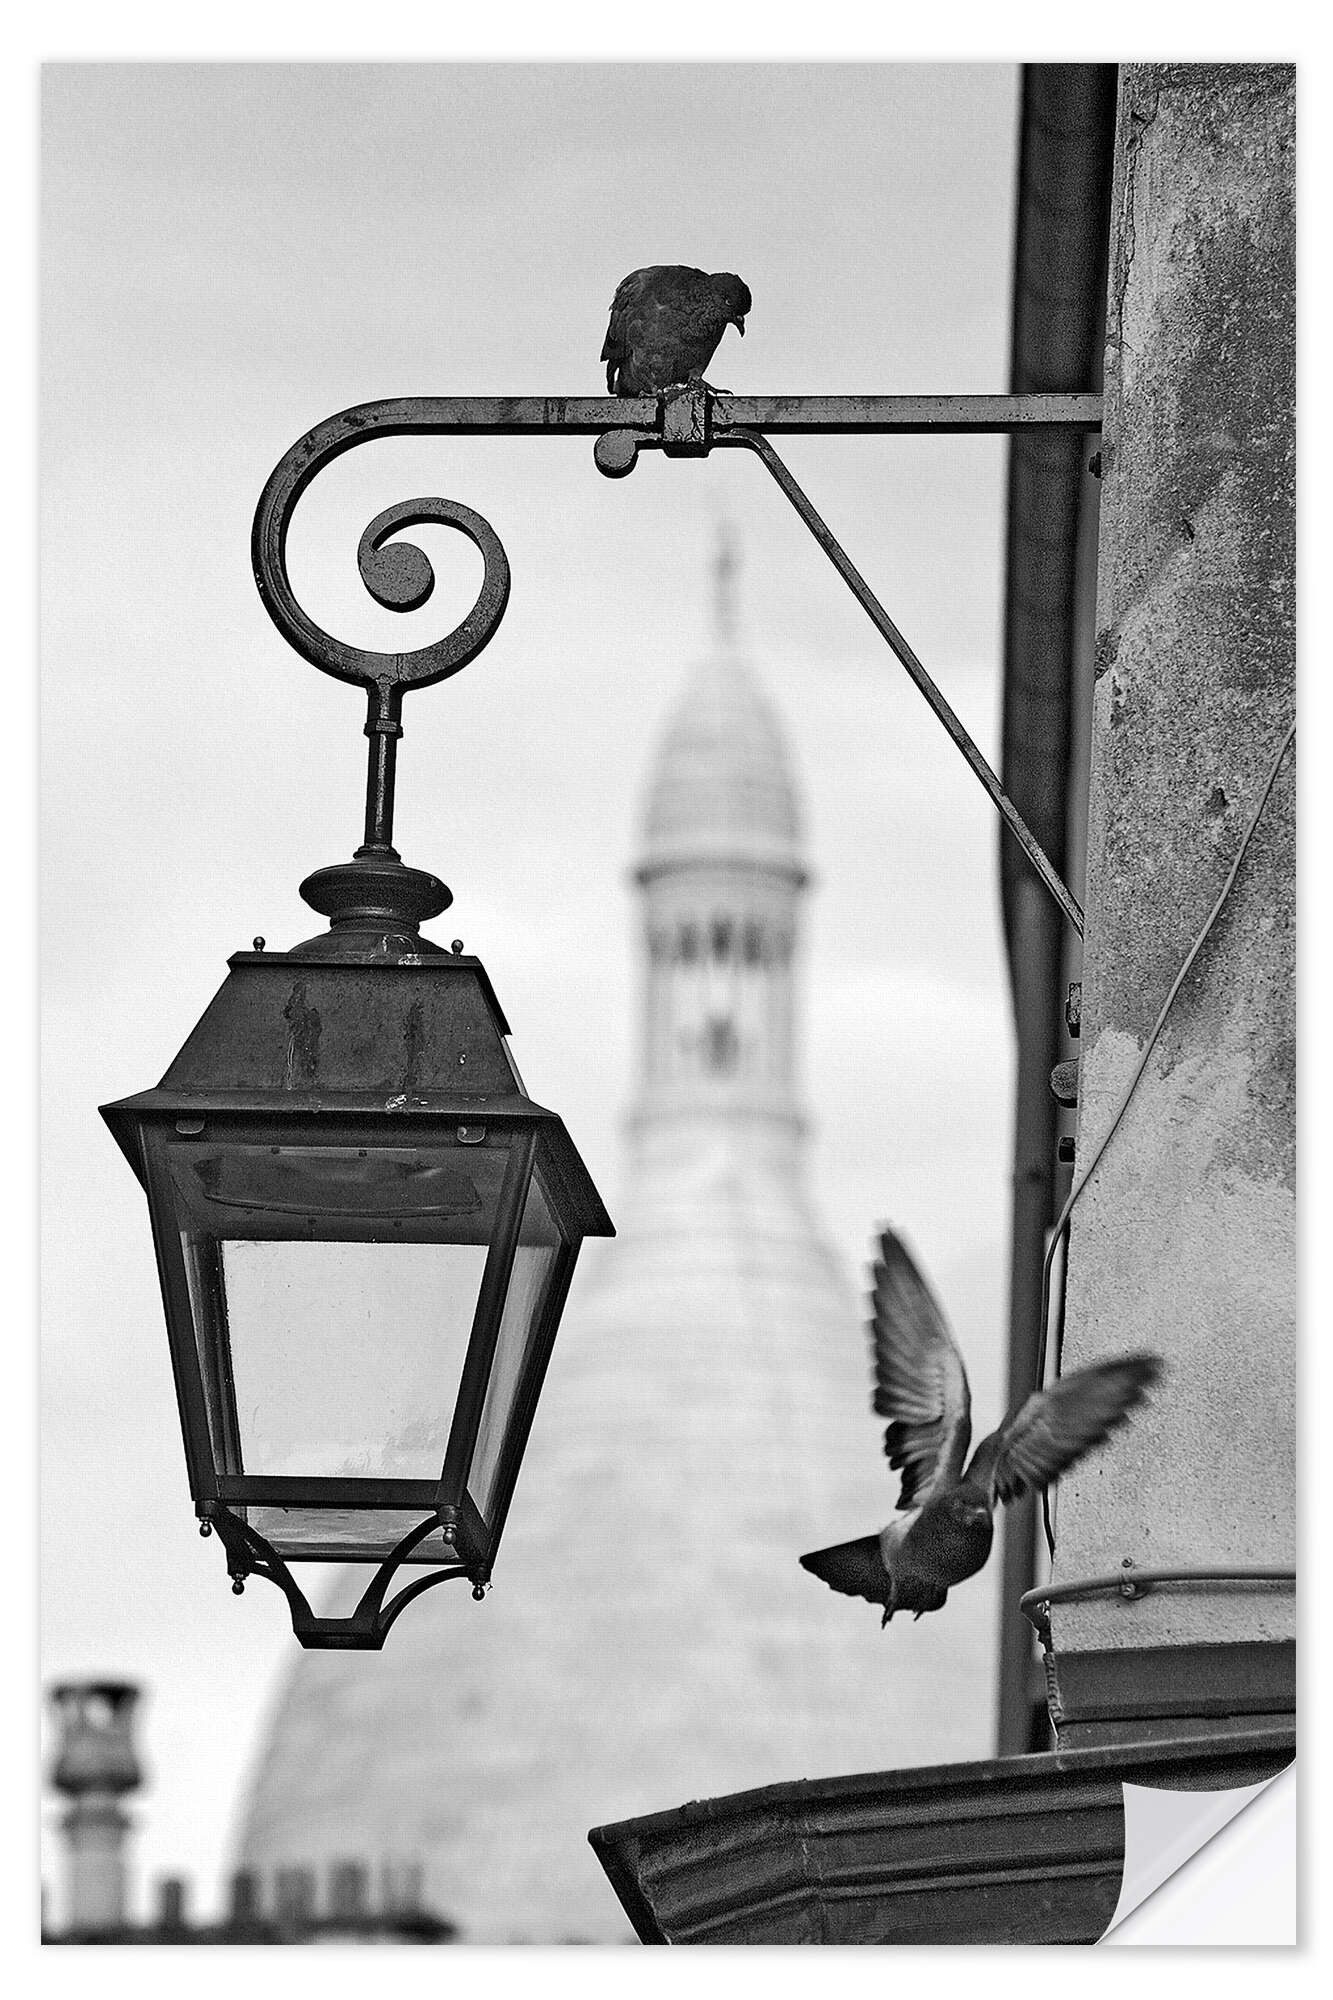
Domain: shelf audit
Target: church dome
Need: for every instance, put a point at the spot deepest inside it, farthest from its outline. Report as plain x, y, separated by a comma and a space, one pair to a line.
722, 788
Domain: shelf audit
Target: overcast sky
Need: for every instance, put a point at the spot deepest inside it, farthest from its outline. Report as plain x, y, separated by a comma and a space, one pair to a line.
232, 254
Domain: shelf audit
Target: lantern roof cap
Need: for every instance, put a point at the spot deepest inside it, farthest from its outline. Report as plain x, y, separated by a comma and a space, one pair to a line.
293, 1037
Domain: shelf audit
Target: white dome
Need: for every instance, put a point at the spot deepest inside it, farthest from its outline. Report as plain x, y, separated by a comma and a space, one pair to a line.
722, 788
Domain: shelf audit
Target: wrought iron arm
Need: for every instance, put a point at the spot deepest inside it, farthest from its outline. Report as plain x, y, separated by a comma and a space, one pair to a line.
367, 1627
683, 423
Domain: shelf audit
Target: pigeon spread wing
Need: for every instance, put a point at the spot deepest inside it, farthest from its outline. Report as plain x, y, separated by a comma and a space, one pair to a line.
855, 1568
920, 1380
1058, 1425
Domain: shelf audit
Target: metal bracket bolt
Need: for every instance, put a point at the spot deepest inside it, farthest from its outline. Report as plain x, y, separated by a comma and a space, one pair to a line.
685, 432
1064, 1082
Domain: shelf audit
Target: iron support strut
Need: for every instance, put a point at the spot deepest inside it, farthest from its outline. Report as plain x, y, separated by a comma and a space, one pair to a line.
885, 626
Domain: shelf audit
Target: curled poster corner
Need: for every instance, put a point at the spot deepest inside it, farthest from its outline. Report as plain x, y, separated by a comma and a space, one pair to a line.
1241, 1891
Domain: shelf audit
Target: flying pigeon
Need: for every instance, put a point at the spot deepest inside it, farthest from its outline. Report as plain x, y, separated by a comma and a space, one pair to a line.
666, 322
944, 1526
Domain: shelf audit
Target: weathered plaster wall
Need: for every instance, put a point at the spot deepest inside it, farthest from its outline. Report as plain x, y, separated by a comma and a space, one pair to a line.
1185, 1240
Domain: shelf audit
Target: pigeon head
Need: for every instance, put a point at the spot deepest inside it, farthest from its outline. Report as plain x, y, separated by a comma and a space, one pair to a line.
968, 1503
735, 296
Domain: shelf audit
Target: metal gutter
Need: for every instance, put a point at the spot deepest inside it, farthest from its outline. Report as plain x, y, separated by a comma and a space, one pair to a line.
1027, 1850
1063, 209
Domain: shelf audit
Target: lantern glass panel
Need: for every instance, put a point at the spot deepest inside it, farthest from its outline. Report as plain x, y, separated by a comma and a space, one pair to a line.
536, 1261
346, 1357
333, 1291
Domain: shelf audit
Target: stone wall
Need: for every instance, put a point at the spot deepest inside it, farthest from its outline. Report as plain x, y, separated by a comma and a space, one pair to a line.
1185, 1239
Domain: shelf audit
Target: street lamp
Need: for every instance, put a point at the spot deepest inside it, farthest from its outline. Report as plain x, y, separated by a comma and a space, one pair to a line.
365, 1229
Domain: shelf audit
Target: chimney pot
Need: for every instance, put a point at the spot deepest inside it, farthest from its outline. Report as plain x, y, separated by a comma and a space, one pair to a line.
348, 1892
294, 1892
171, 1899
95, 1765
244, 1903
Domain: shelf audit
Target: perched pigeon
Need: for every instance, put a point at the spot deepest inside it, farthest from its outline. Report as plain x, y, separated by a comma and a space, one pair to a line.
666, 322
944, 1529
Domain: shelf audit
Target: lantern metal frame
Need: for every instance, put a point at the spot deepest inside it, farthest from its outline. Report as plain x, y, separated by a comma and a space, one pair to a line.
243, 1080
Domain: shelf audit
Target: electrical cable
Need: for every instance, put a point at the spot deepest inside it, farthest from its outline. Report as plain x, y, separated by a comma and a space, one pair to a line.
1062, 1223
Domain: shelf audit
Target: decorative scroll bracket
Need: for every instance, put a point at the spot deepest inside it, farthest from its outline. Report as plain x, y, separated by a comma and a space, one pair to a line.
687, 422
